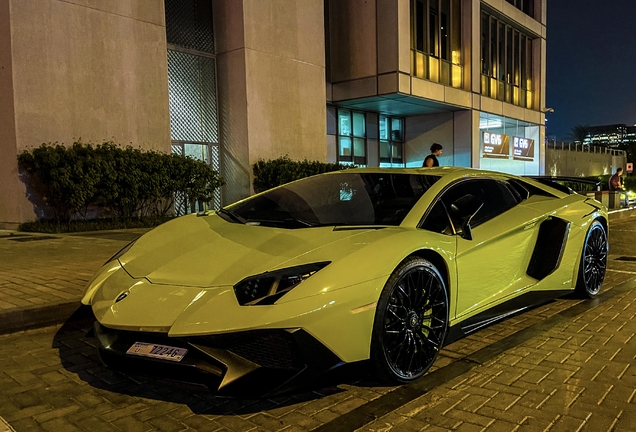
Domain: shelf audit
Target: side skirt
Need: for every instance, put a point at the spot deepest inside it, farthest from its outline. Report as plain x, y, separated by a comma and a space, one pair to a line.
501, 312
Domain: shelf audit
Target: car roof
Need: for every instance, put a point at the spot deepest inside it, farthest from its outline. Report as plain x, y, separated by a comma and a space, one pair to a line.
451, 172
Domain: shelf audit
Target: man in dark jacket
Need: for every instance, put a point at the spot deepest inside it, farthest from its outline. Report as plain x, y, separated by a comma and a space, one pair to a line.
615, 183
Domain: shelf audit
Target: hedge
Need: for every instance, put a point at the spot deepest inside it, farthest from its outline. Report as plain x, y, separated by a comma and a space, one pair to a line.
121, 182
275, 172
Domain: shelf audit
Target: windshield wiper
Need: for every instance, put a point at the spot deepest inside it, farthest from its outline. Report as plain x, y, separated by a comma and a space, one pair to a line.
232, 215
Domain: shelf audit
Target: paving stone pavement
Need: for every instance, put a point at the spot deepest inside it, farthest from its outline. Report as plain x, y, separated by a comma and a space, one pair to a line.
568, 365
42, 276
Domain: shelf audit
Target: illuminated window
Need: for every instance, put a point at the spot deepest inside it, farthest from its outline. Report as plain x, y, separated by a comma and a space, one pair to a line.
391, 141
351, 137
506, 62
436, 41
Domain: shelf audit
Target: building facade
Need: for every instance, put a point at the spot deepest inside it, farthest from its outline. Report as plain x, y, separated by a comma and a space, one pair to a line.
612, 136
369, 82
467, 74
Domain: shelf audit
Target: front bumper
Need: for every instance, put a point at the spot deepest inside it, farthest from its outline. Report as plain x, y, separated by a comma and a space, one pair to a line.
251, 363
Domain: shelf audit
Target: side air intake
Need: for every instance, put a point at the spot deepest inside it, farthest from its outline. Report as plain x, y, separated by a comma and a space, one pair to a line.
549, 248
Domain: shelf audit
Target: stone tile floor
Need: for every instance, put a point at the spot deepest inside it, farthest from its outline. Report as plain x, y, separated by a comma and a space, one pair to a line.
568, 365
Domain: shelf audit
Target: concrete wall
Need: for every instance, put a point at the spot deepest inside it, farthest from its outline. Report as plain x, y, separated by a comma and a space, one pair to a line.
353, 39
422, 131
93, 70
581, 164
271, 83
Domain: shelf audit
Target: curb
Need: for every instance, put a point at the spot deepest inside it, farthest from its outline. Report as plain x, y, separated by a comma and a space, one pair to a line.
28, 318
621, 214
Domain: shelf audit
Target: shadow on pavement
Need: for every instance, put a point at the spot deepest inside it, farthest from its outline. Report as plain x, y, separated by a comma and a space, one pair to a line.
78, 354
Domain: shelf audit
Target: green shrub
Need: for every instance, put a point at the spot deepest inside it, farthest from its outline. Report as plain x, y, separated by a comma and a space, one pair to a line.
275, 172
123, 182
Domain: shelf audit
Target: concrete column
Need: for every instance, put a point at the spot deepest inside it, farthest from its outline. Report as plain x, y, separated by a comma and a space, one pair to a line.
271, 81
471, 24
463, 138
10, 188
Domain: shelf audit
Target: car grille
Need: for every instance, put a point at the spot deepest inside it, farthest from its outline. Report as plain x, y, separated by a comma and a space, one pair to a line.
268, 348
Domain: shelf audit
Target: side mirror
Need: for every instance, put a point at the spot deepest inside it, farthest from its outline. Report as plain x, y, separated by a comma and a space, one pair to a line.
464, 209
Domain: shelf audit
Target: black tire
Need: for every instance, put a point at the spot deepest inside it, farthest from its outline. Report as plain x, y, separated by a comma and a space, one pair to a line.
593, 261
411, 321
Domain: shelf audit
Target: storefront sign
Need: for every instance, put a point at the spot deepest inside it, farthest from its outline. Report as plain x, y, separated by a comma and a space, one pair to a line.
496, 145
522, 148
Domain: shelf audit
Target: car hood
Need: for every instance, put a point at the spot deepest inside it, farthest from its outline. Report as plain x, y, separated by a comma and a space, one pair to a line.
209, 251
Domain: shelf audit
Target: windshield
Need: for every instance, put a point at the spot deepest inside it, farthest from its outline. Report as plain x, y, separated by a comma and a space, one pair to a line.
335, 199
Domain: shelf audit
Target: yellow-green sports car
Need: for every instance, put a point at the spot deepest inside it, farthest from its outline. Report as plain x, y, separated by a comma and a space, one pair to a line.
379, 265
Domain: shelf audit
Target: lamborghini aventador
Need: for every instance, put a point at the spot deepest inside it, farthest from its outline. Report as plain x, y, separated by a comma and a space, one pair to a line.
382, 266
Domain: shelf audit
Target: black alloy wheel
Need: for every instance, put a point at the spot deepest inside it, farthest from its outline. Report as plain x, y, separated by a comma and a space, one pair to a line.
593, 261
411, 321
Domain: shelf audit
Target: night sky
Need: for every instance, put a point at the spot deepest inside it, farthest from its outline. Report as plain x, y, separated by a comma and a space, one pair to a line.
591, 64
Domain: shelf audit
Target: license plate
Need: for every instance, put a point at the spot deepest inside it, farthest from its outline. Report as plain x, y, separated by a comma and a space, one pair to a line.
157, 351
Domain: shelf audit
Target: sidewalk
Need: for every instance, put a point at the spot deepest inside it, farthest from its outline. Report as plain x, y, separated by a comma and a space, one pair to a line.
43, 276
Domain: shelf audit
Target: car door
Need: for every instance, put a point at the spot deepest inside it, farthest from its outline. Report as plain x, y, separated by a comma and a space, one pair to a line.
491, 266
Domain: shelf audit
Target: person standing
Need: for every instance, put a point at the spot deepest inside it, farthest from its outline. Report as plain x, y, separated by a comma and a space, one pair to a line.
615, 183
431, 160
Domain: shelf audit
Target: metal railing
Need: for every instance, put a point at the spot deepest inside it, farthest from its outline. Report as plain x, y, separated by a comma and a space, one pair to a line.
585, 148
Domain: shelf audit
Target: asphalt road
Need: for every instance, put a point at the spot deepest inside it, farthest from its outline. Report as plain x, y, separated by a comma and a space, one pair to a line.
568, 365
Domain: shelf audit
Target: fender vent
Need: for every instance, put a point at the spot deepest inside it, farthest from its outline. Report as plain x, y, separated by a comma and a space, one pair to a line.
549, 248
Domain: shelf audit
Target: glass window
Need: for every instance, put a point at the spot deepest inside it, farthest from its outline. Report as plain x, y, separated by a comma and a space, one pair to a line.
527, 6
419, 25
436, 41
391, 141
437, 220
506, 62
346, 152
344, 122
358, 125
496, 197
336, 199
351, 137
433, 30
485, 57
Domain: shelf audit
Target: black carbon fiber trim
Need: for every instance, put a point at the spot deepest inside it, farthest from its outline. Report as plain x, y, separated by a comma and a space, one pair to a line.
268, 348
548, 250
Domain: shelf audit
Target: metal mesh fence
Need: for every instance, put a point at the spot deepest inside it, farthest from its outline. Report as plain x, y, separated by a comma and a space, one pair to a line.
189, 24
192, 94
192, 89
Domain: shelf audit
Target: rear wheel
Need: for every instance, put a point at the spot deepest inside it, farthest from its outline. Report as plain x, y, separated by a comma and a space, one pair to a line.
593, 261
411, 320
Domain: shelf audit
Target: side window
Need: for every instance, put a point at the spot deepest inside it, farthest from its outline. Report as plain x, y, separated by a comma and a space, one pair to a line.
496, 197
437, 220
520, 189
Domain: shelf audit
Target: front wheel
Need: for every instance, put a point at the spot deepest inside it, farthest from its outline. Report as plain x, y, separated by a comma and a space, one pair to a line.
410, 323
593, 261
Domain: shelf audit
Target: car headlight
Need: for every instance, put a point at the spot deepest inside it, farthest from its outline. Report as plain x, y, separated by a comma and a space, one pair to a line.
266, 288
121, 252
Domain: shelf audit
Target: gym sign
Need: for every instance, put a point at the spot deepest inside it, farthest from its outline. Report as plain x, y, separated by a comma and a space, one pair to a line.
496, 145
522, 148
